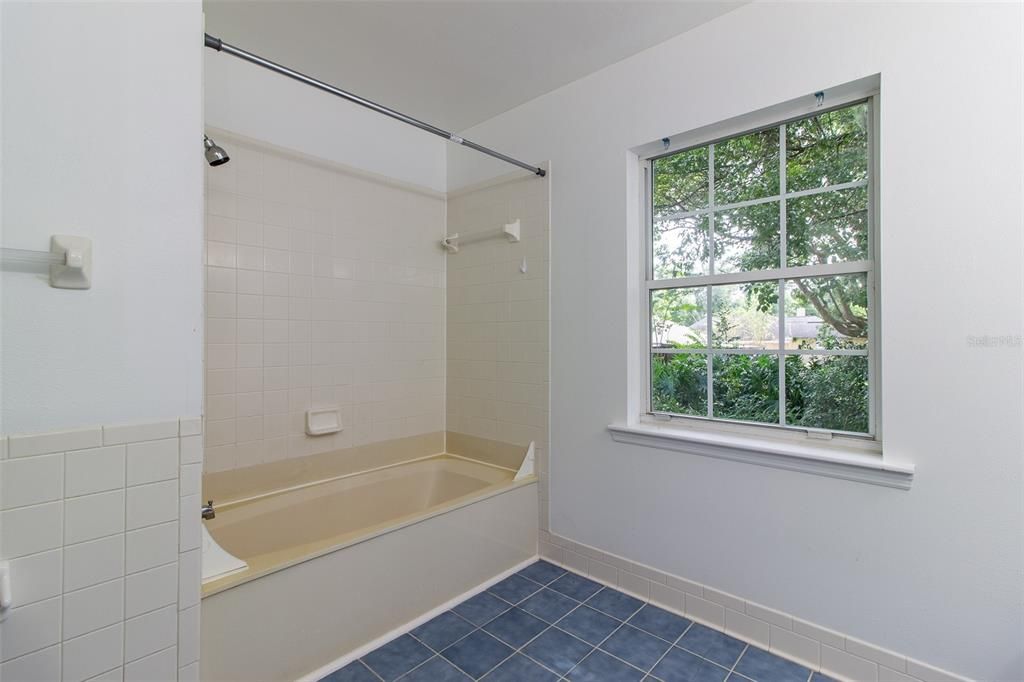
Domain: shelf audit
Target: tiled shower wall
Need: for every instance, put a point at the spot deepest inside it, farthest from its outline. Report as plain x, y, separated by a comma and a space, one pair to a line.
324, 288
497, 326
101, 529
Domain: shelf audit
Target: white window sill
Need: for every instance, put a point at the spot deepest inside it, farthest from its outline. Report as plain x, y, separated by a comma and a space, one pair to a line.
830, 461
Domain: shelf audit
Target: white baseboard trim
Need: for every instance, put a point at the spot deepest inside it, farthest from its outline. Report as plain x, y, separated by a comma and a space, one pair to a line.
339, 663
820, 649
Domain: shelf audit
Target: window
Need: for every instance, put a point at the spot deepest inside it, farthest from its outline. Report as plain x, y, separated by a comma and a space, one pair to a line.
760, 282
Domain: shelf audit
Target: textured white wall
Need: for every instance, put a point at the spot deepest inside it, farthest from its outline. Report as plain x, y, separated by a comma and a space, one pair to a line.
266, 106
934, 572
102, 120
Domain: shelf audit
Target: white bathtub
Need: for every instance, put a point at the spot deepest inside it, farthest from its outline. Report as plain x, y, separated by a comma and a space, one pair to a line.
336, 565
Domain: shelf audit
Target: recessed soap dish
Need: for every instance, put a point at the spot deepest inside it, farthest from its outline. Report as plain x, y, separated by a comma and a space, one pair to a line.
322, 421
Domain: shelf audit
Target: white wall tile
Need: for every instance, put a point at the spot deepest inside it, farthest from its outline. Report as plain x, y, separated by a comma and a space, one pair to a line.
149, 633
151, 504
189, 523
37, 577
131, 433
29, 628
191, 450
877, 654
635, 584
823, 635
158, 667
93, 608
115, 675
152, 461
746, 628
668, 597
89, 655
93, 562
150, 547
94, 471
70, 551
706, 611
724, 598
149, 590
93, 516
890, 675
56, 441
190, 426
40, 666
188, 636
189, 673
189, 578
770, 615
792, 645
847, 666
191, 479
928, 673
31, 480
28, 530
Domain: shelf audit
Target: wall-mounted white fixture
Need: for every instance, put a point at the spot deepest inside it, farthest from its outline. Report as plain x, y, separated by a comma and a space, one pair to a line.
322, 421
453, 242
69, 261
5, 590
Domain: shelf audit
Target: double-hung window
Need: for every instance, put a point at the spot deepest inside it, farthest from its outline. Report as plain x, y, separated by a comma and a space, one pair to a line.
760, 284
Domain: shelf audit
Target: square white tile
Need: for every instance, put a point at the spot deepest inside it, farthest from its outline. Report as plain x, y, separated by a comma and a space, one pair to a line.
151, 504
93, 562
93, 516
89, 655
94, 471
31, 480
93, 608
150, 547
149, 590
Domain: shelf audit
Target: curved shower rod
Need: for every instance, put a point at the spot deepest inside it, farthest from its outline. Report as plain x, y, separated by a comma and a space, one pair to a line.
221, 46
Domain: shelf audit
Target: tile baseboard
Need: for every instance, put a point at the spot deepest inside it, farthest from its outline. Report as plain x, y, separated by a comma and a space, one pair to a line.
832, 653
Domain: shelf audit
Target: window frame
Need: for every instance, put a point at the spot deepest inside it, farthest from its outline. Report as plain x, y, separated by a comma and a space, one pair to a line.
774, 117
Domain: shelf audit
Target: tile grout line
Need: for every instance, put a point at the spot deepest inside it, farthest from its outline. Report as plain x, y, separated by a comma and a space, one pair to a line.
621, 623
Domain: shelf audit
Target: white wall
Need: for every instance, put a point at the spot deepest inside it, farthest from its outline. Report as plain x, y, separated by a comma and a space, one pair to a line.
251, 101
102, 120
933, 573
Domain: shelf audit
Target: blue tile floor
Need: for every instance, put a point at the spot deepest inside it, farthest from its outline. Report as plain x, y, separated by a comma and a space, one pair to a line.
545, 623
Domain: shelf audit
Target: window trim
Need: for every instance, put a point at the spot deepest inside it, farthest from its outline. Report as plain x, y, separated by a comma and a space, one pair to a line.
815, 451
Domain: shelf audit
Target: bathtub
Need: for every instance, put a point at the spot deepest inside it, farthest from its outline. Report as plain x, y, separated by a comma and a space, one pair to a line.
335, 564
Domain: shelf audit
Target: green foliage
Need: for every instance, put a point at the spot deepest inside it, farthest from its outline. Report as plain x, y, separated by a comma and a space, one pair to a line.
828, 227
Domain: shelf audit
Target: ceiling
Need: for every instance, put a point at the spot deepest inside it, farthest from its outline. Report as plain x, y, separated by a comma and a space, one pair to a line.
453, 63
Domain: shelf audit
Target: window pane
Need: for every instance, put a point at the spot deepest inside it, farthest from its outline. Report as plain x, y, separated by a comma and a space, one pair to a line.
747, 167
746, 387
827, 392
679, 383
680, 247
679, 318
747, 238
680, 182
827, 312
831, 227
828, 149
745, 315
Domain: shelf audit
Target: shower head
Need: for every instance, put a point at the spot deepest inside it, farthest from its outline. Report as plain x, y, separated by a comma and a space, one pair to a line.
215, 154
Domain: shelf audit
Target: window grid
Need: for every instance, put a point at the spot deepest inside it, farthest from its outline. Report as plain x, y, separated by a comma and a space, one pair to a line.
782, 274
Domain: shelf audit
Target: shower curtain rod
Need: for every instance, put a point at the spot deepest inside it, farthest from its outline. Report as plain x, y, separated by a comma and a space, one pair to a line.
221, 46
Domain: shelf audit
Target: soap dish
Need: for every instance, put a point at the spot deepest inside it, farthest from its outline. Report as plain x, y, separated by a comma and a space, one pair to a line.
322, 421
